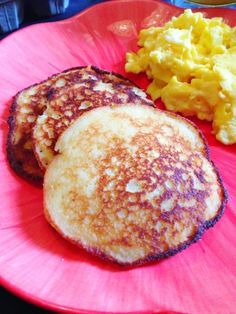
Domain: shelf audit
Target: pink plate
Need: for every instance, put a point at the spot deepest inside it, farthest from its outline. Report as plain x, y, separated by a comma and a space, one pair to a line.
35, 262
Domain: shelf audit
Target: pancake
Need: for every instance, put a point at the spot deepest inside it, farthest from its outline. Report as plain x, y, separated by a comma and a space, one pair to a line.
93, 88
26, 106
52, 94
132, 184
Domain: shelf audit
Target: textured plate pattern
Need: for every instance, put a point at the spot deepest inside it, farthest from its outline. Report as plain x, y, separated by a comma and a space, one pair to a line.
35, 262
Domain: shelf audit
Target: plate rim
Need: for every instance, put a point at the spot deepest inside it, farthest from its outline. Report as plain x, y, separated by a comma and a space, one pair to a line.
104, 3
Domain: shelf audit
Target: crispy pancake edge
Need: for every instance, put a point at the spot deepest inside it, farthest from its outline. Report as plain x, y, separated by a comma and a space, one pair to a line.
157, 257
16, 164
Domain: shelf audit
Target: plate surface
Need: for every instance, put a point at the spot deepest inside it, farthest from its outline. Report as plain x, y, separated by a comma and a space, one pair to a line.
35, 262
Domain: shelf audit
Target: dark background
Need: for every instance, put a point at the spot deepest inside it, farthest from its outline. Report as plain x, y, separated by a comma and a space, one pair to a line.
74, 7
10, 304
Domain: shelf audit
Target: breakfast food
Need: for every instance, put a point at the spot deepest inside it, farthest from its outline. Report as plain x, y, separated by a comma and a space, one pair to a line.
27, 105
191, 62
93, 88
132, 184
52, 105
124, 180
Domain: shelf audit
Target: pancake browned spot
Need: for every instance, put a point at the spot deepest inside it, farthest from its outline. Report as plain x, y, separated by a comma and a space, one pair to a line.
132, 184
93, 88
63, 94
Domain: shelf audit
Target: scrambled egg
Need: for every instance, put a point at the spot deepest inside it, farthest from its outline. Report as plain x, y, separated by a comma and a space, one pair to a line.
191, 61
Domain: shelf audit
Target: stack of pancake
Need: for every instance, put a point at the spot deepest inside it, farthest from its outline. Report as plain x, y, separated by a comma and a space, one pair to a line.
40, 113
123, 180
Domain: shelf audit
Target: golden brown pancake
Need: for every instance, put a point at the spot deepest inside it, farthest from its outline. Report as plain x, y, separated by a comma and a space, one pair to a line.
26, 106
62, 94
132, 184
95, 88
